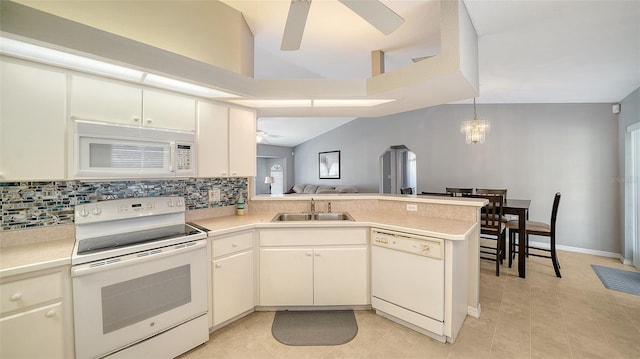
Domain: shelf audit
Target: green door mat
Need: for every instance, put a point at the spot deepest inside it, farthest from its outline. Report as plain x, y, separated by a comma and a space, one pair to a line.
314, 328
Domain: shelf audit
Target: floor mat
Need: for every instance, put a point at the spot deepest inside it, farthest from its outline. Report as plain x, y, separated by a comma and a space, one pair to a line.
317, 327
618, 279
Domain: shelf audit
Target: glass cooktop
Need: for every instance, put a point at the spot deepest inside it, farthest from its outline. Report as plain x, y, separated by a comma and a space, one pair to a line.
104, 243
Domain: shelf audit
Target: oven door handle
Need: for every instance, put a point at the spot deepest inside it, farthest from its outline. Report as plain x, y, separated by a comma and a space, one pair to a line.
136, 258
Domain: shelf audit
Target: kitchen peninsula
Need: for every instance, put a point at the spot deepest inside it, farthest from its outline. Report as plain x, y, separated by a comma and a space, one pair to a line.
454, 221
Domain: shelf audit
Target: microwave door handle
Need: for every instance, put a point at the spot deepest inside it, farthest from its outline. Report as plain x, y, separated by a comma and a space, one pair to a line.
172, 162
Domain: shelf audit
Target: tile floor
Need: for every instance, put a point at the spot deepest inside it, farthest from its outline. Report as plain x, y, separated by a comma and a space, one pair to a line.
540, 317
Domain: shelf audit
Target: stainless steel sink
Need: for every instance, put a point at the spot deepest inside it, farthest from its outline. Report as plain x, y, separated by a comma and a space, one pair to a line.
287, 217
332, 217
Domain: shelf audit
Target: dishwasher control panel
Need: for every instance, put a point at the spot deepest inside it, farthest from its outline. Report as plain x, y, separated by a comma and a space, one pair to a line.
407, 242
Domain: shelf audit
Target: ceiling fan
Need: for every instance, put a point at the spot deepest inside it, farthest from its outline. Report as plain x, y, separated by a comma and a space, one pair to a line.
263, 137
373, 11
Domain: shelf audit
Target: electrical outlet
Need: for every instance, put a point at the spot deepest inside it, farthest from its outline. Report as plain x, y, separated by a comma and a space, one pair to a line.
214, 195
412, 207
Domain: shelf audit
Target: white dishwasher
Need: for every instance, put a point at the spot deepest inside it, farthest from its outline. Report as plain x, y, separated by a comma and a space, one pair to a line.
407, 280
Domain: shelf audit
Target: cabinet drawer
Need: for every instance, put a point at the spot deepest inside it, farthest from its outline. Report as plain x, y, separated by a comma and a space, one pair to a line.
232, 244
31, 291
313, 237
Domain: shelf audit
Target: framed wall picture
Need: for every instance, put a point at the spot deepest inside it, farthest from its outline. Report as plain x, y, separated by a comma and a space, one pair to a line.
329, 165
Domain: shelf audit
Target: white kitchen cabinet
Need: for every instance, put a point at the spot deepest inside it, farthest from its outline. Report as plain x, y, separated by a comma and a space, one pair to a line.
242, 142
286, 276
32, 122
226, 141
167, 110
340, 276
305, 267
106, 100
233, 276
35, 319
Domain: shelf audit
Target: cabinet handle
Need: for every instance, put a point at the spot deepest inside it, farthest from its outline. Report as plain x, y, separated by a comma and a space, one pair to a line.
149, 120
234, 245
15, 297
308, 254
218, 265
50, 314
136, 119
224, 173
317, 254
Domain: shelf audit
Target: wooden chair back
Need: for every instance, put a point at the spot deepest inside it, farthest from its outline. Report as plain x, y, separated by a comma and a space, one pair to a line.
457, 192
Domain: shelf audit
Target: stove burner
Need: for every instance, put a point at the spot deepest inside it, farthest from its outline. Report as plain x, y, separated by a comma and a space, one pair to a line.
104, 243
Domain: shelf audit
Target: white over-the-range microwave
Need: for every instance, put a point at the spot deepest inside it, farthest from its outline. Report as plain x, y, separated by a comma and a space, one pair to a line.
103, 150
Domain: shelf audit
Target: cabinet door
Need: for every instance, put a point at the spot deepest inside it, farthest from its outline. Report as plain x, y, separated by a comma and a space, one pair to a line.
37, 333
32, 122
213, 140
286, 276
105, 100
242, 142
340, 276
165, 110
233, 286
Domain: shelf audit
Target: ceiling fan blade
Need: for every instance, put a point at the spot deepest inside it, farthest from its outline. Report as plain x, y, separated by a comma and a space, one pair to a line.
294, 28
375, 13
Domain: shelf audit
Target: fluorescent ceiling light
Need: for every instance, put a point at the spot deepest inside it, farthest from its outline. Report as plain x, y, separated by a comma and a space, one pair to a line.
50, 56
349, 102
184, 87
311, 103
63, 59
273, 103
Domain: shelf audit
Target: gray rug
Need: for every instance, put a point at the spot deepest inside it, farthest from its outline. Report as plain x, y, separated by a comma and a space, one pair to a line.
317, 327
618, 279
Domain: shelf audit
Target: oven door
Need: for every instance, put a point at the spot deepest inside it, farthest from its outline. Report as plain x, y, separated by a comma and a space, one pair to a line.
121, 301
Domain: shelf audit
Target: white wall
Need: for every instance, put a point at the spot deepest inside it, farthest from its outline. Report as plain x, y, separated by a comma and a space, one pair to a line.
629, 114
533, 150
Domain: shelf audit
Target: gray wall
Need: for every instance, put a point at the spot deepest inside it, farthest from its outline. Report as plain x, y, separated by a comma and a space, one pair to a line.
629, 114
533, 150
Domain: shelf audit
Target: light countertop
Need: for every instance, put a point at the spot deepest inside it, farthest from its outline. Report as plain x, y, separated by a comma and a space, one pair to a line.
20, 259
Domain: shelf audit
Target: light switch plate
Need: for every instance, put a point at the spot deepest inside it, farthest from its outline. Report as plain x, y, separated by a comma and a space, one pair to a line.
412, 207
214, 195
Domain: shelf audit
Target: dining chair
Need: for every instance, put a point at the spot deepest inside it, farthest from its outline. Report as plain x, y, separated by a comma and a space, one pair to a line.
494, 229
459, 192
436, 194
538, 229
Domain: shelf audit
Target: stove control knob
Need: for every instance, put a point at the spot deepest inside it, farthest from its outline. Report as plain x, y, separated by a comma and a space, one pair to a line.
97, 211
83, 212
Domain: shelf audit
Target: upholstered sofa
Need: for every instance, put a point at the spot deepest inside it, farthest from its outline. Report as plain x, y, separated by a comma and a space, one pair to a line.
319, 189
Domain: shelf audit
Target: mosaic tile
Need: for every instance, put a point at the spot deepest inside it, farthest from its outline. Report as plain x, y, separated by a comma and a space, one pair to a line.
36, 204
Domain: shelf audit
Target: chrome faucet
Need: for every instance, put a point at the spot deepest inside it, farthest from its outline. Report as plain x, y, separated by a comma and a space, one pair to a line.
329, 207
313, 206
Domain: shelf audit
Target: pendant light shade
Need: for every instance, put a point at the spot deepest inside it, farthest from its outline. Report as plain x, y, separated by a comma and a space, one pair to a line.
475, 130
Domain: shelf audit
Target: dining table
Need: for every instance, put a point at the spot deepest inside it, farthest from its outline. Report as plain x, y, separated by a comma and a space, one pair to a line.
520, 208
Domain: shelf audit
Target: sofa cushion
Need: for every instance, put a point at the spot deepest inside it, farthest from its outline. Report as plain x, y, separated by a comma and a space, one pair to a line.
326, 189
299, 188
310, 188
346, 189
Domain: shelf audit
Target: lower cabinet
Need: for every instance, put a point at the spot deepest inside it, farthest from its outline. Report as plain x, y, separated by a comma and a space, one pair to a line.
322, 267
233, 276
35, 315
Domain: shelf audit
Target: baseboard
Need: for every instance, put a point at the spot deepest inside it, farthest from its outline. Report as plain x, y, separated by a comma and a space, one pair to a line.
578, 250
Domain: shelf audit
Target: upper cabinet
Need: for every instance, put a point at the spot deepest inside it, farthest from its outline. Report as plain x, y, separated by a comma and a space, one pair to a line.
226, 141
32, 122
242, 142
166, 110
112, 101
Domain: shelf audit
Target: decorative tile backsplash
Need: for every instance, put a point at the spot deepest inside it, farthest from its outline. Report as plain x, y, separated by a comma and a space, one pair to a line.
35, 204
